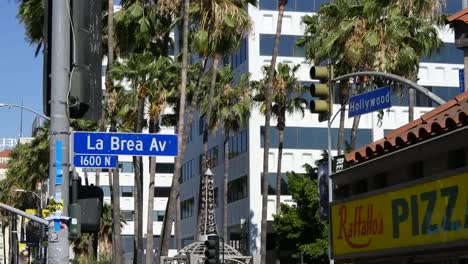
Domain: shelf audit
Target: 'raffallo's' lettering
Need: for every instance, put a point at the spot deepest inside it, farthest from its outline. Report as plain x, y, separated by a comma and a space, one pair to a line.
363, 225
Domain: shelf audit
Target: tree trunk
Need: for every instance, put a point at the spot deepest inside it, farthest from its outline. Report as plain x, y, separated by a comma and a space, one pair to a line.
206, 128
354, 130
114, 175
225, 187
266, 147
171, 203
280, 126
149, 222
410, 104
138, 187
344, 94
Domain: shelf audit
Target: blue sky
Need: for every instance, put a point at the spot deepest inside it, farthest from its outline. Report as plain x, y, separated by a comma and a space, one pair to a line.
20, 74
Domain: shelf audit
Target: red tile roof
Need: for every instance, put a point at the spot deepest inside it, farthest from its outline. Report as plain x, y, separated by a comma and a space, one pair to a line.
447, 117
461, 15
5, 153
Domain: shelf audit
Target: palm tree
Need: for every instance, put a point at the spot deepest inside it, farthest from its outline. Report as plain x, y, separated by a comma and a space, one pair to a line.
231, 109
282, 4
141, 70
286, 98
158, 94
376, 37
31, 15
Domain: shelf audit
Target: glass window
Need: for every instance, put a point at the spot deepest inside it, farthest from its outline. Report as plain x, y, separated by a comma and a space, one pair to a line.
127, 215
201, 124
446, 93
158, 216
305, 5
313, 137
106, 190
126, 167
237, 189
165, 168
126, 191
162, 191
272, 184
268, 5
448, 53
266, 44
186, 208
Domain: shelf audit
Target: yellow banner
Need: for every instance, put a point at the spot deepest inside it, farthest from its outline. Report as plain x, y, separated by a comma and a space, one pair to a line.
429, 213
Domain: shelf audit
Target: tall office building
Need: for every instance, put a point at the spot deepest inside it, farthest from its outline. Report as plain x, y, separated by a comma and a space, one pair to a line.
304, 137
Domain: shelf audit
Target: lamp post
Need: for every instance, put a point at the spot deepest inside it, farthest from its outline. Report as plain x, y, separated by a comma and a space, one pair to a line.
25, 108
35, 194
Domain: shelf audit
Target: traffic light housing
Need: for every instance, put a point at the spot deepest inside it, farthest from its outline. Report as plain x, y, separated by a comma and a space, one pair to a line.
212, 250
85, 91
321, 92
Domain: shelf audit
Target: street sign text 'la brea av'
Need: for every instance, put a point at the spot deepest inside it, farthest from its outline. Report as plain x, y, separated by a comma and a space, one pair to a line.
134, 144
369, 102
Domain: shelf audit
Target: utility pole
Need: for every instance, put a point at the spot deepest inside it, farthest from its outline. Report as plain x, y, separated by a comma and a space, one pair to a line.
58, 248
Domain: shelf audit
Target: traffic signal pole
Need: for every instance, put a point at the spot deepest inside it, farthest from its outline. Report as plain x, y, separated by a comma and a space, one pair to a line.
58, 245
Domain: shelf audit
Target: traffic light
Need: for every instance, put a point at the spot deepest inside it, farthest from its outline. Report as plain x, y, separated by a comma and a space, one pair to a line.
212, 250
85, 91
321, 92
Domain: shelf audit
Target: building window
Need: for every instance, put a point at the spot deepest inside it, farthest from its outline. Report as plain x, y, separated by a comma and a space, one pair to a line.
201, 124
162, 191
158, 216
380, 180
240, 56
306, 6
186, 208
272, 183
238, 144
126, 191
448, 53
106, 190
360, 187
237, 189
212, 157
216, 195
126, 167
313, 137
127, 215
165, 168
187, 171
287, 48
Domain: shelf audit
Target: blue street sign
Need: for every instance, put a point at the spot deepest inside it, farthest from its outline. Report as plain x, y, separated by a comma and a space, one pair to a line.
369, 102
94, 161
461, 79
134, 144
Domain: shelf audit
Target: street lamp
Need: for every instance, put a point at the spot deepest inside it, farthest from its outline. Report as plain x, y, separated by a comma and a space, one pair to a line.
25, 108
27, 191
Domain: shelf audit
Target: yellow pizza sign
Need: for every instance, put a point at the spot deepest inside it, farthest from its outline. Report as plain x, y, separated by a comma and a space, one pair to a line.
430, 213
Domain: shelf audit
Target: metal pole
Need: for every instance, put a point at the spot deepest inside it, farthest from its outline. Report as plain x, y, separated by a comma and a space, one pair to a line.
23, 214
58, 248
396, 78
25, 108
330, 185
